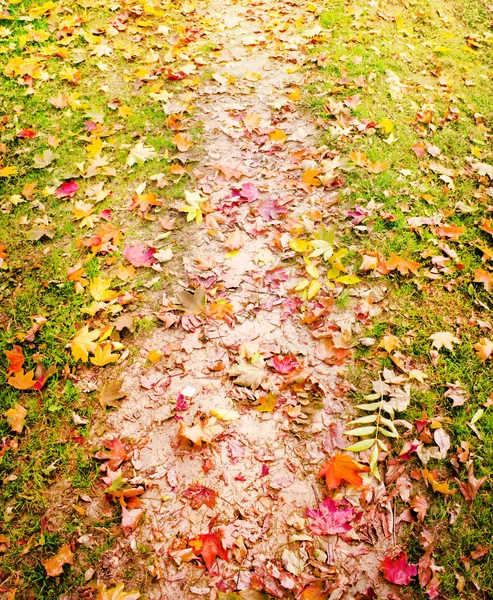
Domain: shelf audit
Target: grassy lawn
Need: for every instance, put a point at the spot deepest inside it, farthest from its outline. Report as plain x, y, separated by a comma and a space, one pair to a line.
404, 93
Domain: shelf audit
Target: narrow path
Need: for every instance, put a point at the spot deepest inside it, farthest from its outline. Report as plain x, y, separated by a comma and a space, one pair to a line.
255, 347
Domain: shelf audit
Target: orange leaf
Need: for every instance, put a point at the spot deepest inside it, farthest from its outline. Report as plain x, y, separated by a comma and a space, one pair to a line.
16, 417
390, 343
442, 488
310, 177
54, 565
22, 381
402, 265
358, 158
182, 141
342, 468
487, 226
484, 348
208, 545
15, 358
484, 277
230, 172
451, 232
377, 167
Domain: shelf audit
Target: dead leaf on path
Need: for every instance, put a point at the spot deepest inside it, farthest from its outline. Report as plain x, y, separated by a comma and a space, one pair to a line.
200, 495
208, 545
115, 453
54, 565
193, 304
339, 468
16, 417
111, 394
234, 241
204, 431
248, 374
444, 339
230, 172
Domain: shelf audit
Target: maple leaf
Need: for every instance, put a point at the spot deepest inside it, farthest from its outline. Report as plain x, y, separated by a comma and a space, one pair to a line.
330, 518
39, 232
266, 403
15, 358
442, 488
182, 141
21, 380
484, 349
103, 355
456, 393
341, 467
234, 241
100, 290
27, 134
203, 431
398, 570
248, 374
83, 343
402, 265
314, 591
130, 519
140, 153
309, 177
193, 304
376, 167
116, 593
68, 189
140, 255
40, 162
54, 565
208, 545
115, 453
193, 208
110, 394
286, 364
7, 171
420, 505
199, 495
230, 172
484, 277
390, 343
444, 339
487, 226
16, 417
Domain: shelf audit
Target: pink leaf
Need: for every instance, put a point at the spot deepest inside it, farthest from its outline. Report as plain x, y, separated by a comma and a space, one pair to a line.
398, 571
140, 255
68, 189
285, 365
330, 519
130, 519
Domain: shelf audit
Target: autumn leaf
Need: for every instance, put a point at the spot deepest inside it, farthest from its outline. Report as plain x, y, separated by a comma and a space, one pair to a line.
484, 349
309, 177
376, 167
341, 467
100, 290
182, 141
16, 417
115, 453
193, 207
103, 355
442, 488
330, 518
444, 339
203, 431
15, 358
420, 505
397, 570
470, 489
116, 593
402, 265
110, 394
68, 189
140, 153
83, 343
285, 364
193, 304
451, 232
266, 403
230, 172
200, 495
54, 565
390, 343
248, 374
484, 277
140, 255
208, 545
21, 380
314, 591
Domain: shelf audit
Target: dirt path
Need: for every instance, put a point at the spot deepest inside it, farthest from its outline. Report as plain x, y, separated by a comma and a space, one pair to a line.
251, 346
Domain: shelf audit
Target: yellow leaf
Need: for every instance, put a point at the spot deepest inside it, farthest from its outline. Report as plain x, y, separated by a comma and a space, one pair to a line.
295, 95
225, 414
21, 380
387, 125
313, 289
390, 342
299, 245
103, 355
7, 171
94, 147
154, 356
83, 343
278, 136
15, 417
442, 488
100, 290
311, 269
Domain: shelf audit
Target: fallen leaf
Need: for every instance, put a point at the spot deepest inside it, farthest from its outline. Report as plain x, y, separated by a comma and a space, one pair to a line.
83, 343
470, 489
16, 417
208, 545
130, 519
341, 467
15, 358
140, 255
420, 505
442, 488
484, 277
484, 349
248, 374
140, 153
402, 265
203, 431
115, 453
68, 189
330, 518
103, 355
21, 380
200, 495
398, 571
54, 565
444, 339
182, 141
193, 304
116, 593
110, 394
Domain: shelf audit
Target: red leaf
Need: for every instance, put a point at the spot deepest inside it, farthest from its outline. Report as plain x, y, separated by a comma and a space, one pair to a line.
342, 468
199, 495
27, 134
139, 255
67, 189
398, 571
208, 545
115, 454
286, 364
330, 519
15, 358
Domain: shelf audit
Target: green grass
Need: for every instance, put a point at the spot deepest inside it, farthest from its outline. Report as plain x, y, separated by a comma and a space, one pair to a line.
420, 43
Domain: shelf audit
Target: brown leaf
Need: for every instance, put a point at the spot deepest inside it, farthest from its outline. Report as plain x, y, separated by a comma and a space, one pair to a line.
470, 489
110, 394
420, 505
54, 565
